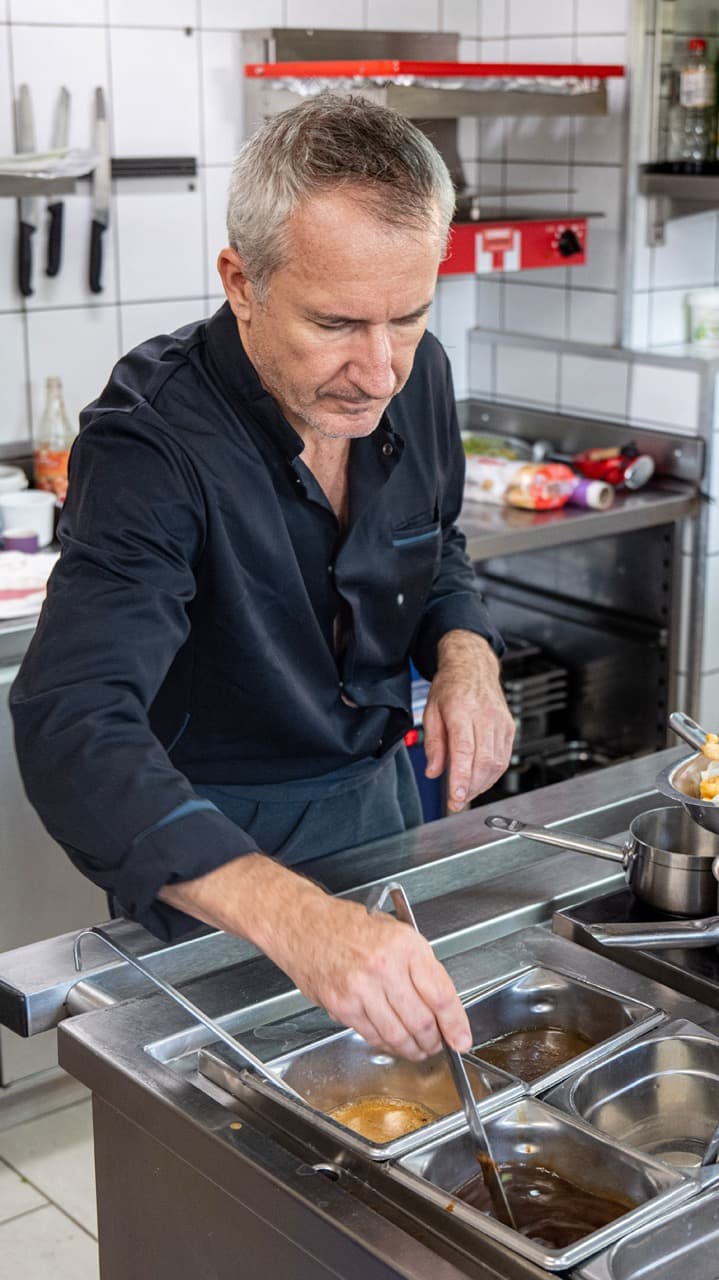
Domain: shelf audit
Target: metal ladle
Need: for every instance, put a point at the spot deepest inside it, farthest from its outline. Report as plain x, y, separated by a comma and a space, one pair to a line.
487, 1162
243, 1055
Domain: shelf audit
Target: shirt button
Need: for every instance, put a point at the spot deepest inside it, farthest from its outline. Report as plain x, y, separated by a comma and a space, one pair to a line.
400, 598
387, 449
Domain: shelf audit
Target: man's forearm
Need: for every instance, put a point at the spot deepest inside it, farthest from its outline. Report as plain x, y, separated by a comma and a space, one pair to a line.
246, 897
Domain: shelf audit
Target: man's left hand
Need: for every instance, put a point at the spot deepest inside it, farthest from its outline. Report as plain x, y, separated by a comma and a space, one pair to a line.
467, 724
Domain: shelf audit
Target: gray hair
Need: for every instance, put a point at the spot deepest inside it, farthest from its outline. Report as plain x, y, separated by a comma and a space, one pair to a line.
325, 143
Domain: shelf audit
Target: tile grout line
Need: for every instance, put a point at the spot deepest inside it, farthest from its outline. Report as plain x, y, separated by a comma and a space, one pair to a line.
56, 1111
37, 1208
49, 1201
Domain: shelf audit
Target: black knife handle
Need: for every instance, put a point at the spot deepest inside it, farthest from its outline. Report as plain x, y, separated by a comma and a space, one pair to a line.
54, 238
96, 256
25, 259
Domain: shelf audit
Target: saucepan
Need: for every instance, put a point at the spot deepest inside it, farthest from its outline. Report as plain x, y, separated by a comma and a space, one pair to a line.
681, 781
667, 859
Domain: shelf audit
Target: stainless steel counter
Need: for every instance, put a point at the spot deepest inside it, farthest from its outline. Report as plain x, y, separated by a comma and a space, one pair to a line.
192, 1181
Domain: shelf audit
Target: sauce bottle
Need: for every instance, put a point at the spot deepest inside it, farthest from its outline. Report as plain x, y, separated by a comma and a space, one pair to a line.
52, 443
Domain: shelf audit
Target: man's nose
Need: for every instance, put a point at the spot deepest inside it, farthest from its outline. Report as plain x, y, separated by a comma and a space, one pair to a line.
370, 367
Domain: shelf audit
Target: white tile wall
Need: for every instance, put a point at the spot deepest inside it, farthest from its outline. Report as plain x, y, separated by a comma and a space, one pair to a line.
152, 13
461, 16
222, 114
713, 489
313, 13
489, 302
156, 92
161, 245
639, 329
539, 17
492, 19
216, 181
665, 397
80, 345
609, 16
455, 310
668, 318
7, 128
481, 368
13, 414
533, 308
237, 15
527, 374
79, 12
687, 257
594, 388
593, 317
397, 15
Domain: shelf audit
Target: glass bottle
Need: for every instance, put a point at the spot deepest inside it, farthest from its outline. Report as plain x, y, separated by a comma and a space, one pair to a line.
692, 127
52, 443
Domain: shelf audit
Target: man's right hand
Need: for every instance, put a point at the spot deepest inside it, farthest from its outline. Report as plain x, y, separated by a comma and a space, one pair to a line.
378, 975
370, 972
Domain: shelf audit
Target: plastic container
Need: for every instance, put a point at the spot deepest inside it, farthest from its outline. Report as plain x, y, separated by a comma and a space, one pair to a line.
32, 510
704, 317
12, 479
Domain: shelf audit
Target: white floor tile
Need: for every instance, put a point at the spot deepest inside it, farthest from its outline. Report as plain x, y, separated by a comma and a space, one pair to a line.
55, 1155
45, 1243
16, 1195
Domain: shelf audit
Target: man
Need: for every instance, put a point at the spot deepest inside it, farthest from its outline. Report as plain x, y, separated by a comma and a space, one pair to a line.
259, 534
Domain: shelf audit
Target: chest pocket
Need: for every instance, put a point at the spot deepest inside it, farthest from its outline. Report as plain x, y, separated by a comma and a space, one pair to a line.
414, 534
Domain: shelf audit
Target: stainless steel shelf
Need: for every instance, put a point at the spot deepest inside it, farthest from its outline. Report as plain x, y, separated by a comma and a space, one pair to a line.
677, 195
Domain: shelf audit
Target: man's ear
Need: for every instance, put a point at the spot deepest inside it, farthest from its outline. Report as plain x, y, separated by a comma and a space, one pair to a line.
239, 290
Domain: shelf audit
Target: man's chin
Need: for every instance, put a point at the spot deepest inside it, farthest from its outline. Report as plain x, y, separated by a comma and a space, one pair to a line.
344, 426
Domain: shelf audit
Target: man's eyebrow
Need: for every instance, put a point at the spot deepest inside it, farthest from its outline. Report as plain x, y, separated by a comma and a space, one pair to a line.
328, 318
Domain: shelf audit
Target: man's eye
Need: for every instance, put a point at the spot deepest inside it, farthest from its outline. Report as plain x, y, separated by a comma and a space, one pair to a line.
332, 324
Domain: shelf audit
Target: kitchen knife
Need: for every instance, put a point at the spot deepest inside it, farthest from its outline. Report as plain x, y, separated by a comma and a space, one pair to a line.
25, 133
56, 208
100, 192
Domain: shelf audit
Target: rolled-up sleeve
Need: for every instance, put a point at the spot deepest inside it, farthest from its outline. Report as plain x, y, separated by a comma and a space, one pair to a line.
115, 618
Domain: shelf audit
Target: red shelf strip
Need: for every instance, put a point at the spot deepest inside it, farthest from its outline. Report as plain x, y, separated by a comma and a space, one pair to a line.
387, 67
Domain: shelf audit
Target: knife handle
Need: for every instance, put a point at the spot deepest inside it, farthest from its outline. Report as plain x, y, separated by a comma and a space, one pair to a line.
54, 238
96, 256
25, 259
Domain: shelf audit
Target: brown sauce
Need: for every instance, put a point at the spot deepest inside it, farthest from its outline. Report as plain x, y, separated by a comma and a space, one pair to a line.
546, 1207
382, 1119
529, 1052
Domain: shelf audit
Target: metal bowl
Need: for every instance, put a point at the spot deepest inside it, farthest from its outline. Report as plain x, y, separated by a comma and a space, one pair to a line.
534, 1135
659, 1094
681, 782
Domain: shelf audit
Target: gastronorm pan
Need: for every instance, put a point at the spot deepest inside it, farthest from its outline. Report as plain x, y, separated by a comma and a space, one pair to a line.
532, 1134
683, 1246
659, 1094
341, 1068
545, 998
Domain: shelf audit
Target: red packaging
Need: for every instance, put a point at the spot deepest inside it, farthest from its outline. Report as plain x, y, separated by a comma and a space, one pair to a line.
624, 466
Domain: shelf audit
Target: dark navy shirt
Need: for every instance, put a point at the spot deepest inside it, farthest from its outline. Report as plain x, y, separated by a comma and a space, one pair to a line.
189, 633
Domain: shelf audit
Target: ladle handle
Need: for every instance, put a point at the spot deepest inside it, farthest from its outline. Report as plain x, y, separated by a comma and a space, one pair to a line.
654, 935
564, 839
688, 729
243, 1055
376, 900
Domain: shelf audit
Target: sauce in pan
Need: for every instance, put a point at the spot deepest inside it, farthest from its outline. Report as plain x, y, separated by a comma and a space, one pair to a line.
382, 1119
529, 1052
546, 1207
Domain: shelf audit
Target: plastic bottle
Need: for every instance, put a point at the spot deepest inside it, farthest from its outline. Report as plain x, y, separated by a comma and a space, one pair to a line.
52, 443
692, 129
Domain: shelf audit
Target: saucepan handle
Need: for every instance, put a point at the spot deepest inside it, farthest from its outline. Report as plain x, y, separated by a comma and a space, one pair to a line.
654, 935
564, 839
688, 729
